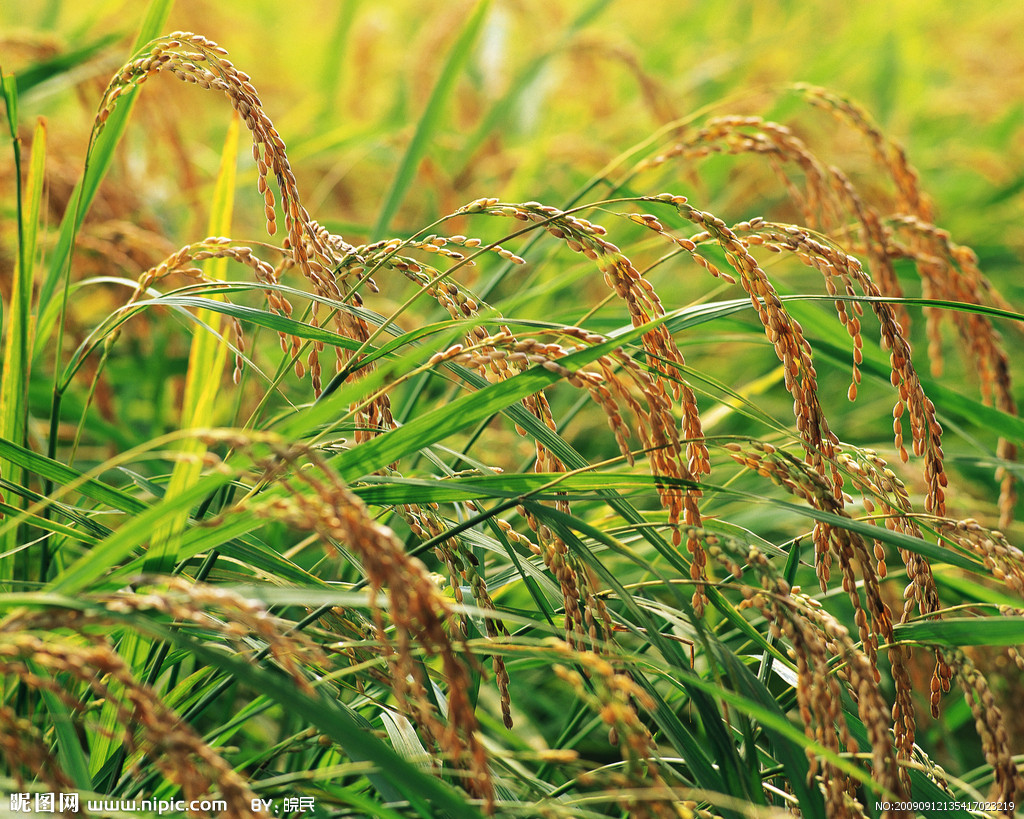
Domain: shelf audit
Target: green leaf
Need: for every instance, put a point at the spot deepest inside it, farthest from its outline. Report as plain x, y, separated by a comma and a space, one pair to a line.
403, 490
500, 112
206, 361
48, 69
464, 411
65, 476
430, 119
9, 85
425, 794
98, 163
964, 631
948, 401
129, 537
17, 336
69, 748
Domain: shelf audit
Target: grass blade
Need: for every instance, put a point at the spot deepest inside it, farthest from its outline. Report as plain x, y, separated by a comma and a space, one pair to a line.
205, 367
965, 631
430, 118
98, 163
46, 70
17, 337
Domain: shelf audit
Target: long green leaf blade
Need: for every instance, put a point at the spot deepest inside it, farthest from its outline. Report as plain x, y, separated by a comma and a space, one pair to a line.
430, 118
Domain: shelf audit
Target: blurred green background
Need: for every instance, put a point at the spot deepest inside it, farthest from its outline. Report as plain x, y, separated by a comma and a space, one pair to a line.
554, 90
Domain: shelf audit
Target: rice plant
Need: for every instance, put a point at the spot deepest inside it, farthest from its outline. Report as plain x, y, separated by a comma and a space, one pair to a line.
534, 509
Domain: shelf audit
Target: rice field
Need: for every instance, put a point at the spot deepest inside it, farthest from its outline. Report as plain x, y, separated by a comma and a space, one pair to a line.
511, 409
